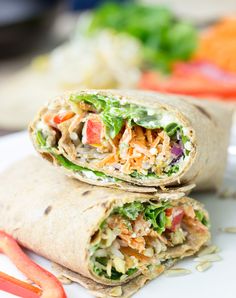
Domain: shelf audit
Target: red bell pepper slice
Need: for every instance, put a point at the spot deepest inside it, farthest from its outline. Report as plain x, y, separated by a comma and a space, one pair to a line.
92, 131
53, 120
176, 214
17, 287
50, 285
63, 116
196, 79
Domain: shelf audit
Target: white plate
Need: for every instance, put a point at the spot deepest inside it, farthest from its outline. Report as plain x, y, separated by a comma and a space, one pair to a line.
219, 281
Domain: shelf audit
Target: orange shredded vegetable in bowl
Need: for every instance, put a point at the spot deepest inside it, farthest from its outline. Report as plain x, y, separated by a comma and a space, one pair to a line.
217, 45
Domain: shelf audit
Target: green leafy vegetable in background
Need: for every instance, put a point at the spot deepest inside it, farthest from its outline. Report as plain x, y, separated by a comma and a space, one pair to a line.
164, 39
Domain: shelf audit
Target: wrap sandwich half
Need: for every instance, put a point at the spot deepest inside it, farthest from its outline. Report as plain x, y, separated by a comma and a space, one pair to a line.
106, 239
135, 140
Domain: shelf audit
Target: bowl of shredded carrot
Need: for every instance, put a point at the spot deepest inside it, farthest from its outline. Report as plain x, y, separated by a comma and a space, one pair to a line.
217, 45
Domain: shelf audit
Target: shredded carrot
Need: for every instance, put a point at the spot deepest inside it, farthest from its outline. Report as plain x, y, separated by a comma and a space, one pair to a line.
218, 45
142, 149
132, 252
110, 159
137, 243
126, 167
141, 141
149, 136
156, 141
131, 148
139, 134
137, 162
47, 118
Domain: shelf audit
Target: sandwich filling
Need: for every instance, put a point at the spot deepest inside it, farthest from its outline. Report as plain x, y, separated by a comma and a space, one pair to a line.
115, 137
141, 236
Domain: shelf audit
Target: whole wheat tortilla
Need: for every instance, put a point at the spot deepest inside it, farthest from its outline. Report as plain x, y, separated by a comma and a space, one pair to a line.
56, 216
210, 122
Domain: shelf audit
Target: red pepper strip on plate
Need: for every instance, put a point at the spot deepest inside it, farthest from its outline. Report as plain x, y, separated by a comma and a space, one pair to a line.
49, 284
17, 287
199, 79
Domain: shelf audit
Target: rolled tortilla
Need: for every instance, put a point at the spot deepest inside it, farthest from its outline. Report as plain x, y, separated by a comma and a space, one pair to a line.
135, 140
103, 237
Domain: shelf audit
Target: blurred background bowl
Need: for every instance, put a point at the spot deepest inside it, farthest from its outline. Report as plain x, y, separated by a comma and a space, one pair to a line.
24, 24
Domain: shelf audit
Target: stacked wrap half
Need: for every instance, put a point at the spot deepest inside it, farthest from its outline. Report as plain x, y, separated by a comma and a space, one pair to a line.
110, 241
133, 140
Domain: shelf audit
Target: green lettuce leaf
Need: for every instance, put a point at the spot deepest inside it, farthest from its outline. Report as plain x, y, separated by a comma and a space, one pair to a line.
173, 169
202, 218
155, 214
130, 210
136, 175
113, 124
63, 161
115, 275
172, 128
114, 114
102, 260
98, 271
131, 271
98, 101
40, 139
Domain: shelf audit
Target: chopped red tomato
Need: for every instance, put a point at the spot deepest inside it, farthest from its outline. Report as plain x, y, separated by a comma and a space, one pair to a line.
92, 132
63, 116
50, 285
176, 215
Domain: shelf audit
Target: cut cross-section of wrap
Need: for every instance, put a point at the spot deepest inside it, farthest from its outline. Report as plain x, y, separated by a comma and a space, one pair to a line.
133, 139
109, 236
